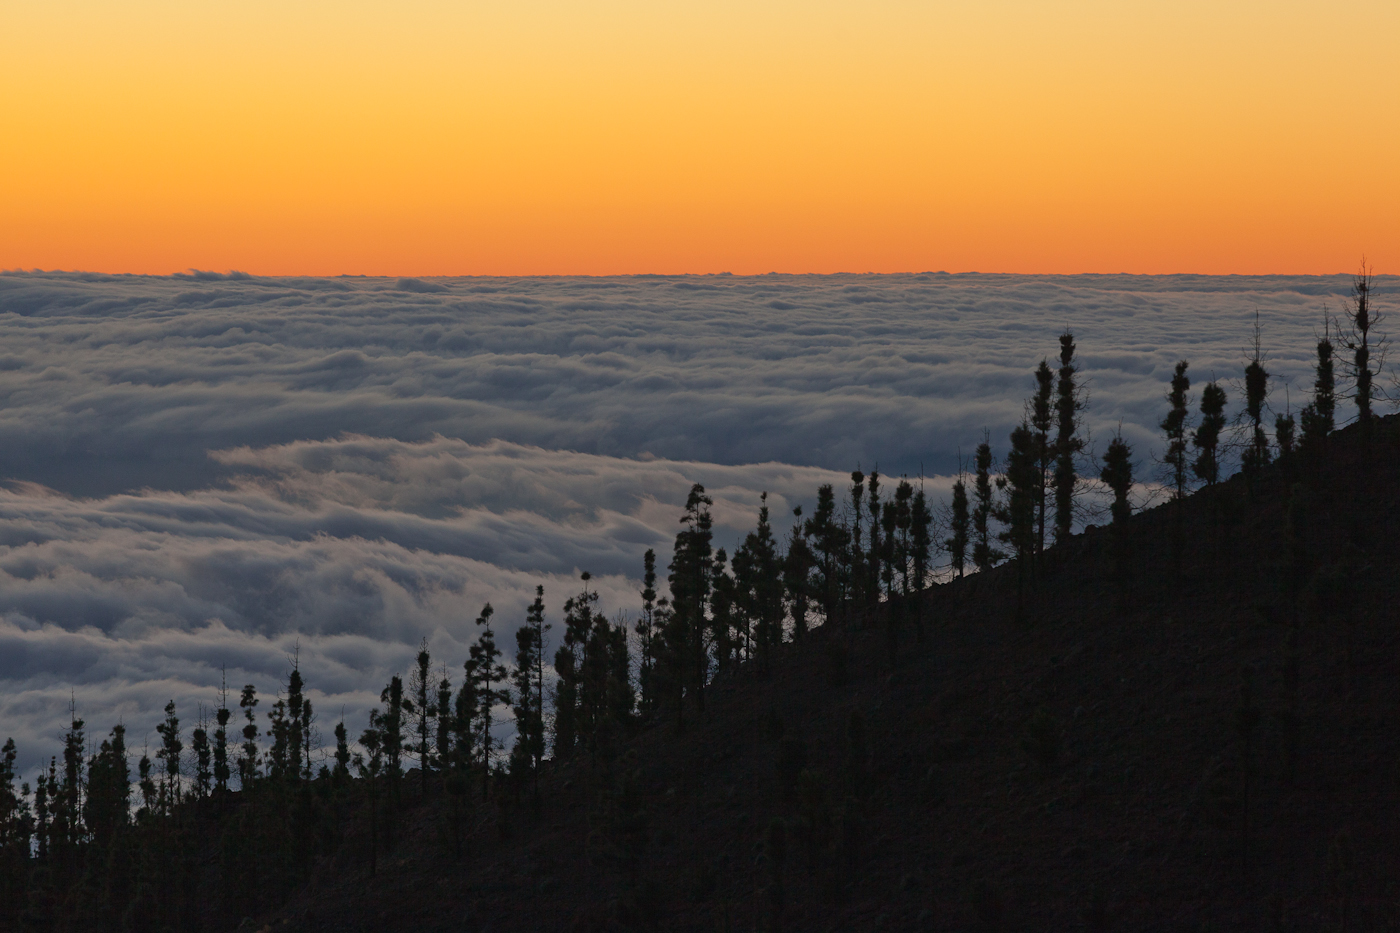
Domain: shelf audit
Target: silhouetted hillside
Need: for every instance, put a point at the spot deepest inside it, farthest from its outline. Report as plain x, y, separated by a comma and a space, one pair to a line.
1190, 724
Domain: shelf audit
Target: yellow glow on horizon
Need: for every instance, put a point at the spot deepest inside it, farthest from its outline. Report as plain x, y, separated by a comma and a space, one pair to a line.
561, 137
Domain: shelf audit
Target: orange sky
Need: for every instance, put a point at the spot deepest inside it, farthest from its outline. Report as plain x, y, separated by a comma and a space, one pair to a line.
617, 136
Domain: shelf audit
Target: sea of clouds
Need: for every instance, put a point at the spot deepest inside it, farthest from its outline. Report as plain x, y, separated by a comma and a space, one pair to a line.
210, 475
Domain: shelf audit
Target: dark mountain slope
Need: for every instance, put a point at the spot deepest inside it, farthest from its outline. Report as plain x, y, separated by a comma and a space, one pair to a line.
1139, 746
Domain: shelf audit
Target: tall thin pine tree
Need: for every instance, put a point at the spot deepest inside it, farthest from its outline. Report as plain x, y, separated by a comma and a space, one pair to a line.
1068, 404
1206, 438
1174, 425
984, 555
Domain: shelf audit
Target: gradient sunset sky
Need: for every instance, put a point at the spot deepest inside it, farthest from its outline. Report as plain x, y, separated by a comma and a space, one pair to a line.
620, 136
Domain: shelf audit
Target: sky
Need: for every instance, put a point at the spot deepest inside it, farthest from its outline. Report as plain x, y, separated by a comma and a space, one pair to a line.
208, 475
553, 137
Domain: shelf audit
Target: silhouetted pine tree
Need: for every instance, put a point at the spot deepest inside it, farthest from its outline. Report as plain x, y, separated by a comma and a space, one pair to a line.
370, 765
567, 663
150, 796
279, 753
484, 671
1362, 368
45, 788
535, 621
888, 536
1206, 438
108, 807
901, 548
1041, 421
1174, 425
959, 523
758, 584
1018, 512
690, 595
797, 574
669, 648
920, 554
1068, 443
222, 715
308, 736
606, 699
16, 835
53, 875
424, 712
648, 635
1284, 435
828, 541
67, 805
169, 755
528, 681
342, 755
298, 726
855, 556
391, 737
203, 759
1256, 391
729, 627
1319, 416
984, 556
875, 559
14, 832
442, 707
107, 816
248, 756
1117, 474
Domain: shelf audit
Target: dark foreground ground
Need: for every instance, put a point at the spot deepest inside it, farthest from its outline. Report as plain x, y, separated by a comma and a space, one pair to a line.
1145, 744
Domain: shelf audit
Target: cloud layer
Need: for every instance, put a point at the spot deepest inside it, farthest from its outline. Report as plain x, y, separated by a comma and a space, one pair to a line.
113, 383
218, 471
